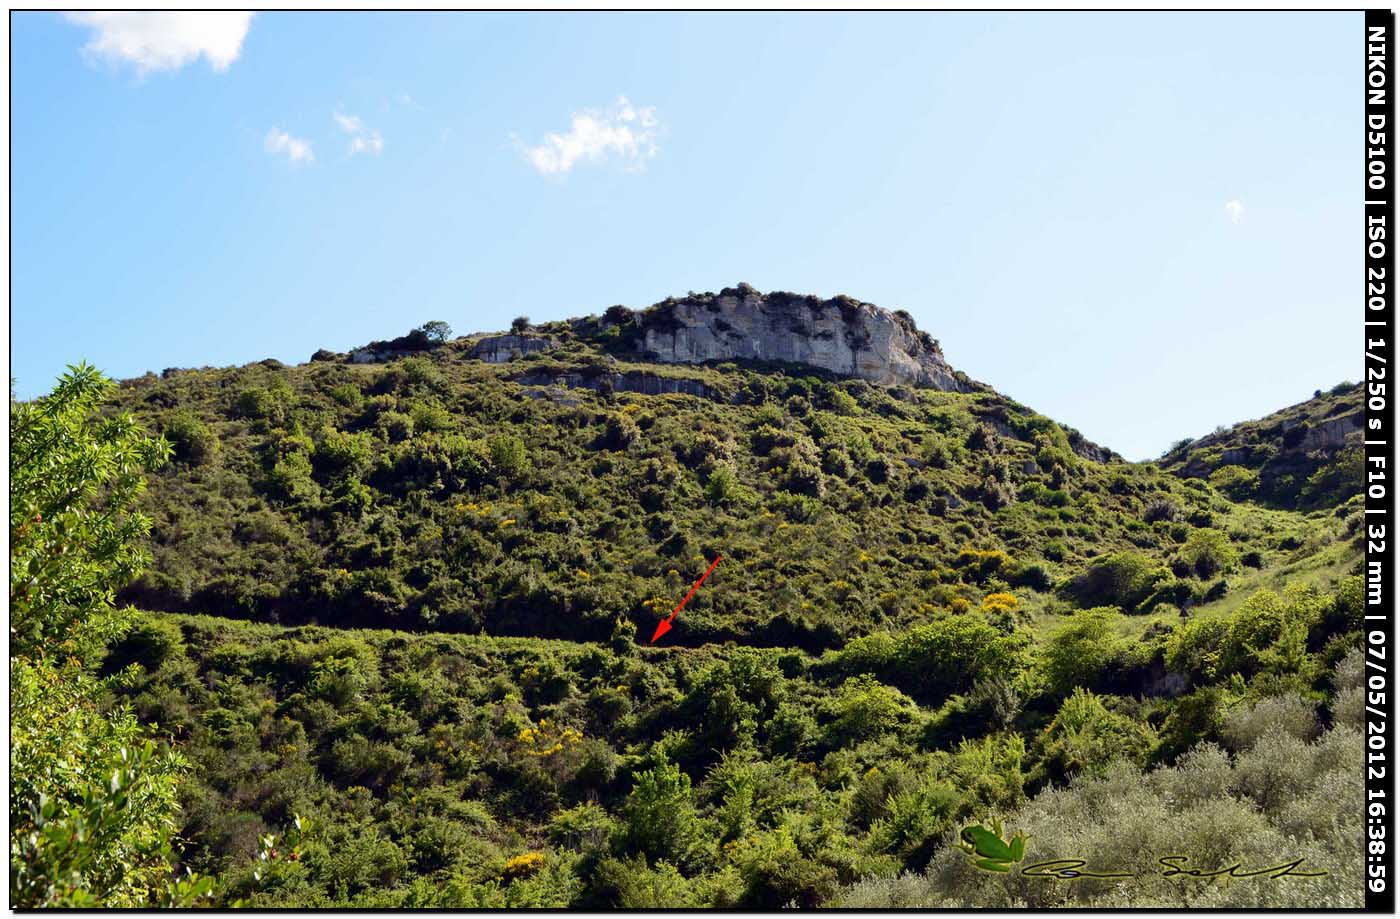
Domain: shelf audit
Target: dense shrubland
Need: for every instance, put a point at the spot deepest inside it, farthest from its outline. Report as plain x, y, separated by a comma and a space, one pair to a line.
397, 618
432, 493
461, 770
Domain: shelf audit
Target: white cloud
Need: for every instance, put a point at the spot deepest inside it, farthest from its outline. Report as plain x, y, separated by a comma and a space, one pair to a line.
1235, 208
165, 40
294, 148
622, 131
362, 139
348, 123
369, 143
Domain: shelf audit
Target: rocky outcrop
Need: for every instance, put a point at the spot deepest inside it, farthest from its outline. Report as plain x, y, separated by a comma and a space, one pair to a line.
637, 381
1331, 433
371, 355
498, 349
494, 349
1300, 439
840, 335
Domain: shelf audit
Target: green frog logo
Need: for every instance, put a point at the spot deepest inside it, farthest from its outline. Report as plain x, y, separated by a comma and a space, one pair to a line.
988, 850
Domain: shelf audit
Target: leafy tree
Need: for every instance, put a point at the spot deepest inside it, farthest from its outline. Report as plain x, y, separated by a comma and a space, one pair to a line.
437, 331
520, 325
74, 477
92, 798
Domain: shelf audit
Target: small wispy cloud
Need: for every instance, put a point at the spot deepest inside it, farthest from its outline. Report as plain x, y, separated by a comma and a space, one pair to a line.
348, 123
622, 131
1235, 208
362, 139
293, 148
165, 40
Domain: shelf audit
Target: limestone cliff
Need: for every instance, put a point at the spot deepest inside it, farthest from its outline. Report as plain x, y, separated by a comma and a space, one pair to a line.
498, 349
841, 335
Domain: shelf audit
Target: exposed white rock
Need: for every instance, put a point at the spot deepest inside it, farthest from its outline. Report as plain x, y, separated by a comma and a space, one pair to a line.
840, 335
498, 349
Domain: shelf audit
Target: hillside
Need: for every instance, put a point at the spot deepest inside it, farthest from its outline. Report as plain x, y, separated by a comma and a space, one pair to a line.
1306, 455
553, 494
934, 606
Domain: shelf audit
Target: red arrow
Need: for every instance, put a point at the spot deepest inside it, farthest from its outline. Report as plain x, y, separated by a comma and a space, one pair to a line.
664, 625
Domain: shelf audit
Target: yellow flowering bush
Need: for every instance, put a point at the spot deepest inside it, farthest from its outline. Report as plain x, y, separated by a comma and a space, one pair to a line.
523, 865
999, 603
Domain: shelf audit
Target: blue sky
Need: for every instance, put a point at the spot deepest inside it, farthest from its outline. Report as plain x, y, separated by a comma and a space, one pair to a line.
1142, 225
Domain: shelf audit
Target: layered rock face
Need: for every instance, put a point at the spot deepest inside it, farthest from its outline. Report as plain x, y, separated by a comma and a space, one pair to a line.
841, 335
498, 349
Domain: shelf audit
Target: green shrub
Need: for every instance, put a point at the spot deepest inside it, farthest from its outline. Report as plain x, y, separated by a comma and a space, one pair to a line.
1161, 509
731, 699
194, 442
1085, 652
1086, 737
343, 454
1338, 480
659, 817
1235, 481
1267, 633
260, 404
428, 416
508, 456
621, 432
634, 885
348, 395
915, 821
1208, 552
864, 708
291, 480
722, 487
1122, 579
395, 426
414, 371
930, 662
